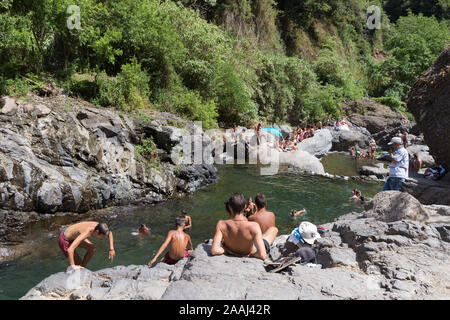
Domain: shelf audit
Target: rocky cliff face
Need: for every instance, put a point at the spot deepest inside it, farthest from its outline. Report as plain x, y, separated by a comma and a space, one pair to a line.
429, 101
362, 258
62, 155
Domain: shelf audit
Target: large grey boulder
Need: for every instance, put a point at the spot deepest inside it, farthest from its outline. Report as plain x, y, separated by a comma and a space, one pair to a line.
389, 206
302, 160
428, 100
343, 140
318, 145
373, 116
286, 131
8, 106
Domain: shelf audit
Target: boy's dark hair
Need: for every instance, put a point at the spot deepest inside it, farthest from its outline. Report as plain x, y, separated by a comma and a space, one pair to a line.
260, 201
179, 221
102, 229
183, 211
236, 202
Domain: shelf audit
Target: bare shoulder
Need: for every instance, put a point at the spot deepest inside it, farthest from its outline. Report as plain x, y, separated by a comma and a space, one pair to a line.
221, 224
170, 233
254, 226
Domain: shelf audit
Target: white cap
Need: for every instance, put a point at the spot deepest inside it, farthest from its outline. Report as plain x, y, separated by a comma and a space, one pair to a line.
309, 232
396, 140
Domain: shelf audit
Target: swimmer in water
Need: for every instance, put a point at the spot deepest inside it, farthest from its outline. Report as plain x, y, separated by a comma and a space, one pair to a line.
295, 213
143, 230
357, 198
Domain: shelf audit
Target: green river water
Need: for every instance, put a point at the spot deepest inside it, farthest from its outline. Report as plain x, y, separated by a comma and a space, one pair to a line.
324, 199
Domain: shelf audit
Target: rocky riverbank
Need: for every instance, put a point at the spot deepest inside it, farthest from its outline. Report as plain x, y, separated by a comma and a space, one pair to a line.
62, 155
390, 251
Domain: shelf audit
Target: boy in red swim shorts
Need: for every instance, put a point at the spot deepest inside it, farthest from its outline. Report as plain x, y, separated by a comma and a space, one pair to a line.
178, 241
77, 235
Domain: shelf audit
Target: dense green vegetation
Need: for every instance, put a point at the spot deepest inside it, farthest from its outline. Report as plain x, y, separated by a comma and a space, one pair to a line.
223, 62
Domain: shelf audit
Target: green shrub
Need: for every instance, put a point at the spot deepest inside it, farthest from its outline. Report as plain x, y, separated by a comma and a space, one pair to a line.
147, 153
16, 87
234, 98
188, 104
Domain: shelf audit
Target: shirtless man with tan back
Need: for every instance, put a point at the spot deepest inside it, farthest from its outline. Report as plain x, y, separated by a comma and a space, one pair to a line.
265, 219
178, 241
238, 236
77, 235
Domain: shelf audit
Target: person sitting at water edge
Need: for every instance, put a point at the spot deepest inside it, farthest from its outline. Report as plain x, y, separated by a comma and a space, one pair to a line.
295, 213
352, 151
399, 168
265, 219
415, 164
303, 238
77, 235
237, 236
188, 220
178, 241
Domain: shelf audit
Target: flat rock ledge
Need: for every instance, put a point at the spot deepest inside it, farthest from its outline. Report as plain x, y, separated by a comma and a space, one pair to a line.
362, 258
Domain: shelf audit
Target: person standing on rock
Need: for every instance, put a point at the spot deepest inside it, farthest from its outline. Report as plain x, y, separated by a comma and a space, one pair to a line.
399, 167
405, 138
373, 148
238, 236
178, 241
77, 235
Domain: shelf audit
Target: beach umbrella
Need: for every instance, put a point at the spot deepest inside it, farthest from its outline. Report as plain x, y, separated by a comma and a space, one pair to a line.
274, 131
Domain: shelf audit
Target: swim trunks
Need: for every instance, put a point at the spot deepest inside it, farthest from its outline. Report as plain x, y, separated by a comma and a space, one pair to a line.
169, 260
267, 245
64, 244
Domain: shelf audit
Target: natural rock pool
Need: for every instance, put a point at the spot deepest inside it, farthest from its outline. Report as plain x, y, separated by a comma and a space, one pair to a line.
324, 199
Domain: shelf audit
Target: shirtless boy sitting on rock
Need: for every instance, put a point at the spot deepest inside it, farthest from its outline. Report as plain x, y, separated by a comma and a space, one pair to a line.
77, 235
265, 219
178, 241
238, 236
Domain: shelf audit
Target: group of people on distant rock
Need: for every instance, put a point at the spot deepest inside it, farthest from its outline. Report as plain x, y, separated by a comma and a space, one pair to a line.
359, 154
